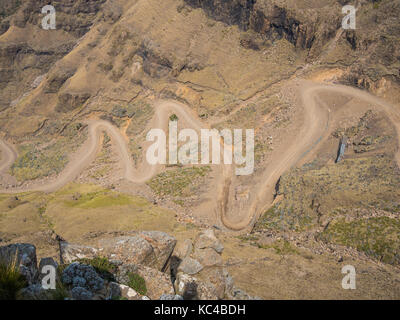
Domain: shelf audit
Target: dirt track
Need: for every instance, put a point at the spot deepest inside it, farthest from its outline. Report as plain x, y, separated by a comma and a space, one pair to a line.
316, 118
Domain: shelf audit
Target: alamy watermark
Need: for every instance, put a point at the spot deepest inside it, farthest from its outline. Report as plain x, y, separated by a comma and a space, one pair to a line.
188, 153
349, 21
49, 280
49, 20
349, 280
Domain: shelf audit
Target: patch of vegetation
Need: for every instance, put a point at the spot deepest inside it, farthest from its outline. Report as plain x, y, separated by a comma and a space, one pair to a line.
98, 199
369, 143
173, 117
248, 238
60, 292
35, 161
137, 283
102, 265
11, 280
378, 237
10, 7
182, 182
141, 112
281, 247
118, 298
310, 194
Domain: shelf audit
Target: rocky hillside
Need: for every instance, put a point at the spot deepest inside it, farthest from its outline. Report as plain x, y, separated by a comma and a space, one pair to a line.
234, 64
141, 266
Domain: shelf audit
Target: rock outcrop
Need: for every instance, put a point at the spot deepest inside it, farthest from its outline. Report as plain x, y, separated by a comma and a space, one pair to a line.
23, 256
198, 270
130, 268
148, 248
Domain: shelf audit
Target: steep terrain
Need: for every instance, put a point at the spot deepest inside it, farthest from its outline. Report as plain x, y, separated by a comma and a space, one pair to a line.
77, 102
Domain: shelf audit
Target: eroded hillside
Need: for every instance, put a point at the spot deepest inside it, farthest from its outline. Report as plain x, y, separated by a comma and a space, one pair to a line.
77, 102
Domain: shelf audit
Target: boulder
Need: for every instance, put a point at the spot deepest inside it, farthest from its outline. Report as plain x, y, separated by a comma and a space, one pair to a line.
208, 257
72, 252
163, 246
183, 249
191, 288
216, 281
186, 286
149, 248
24, 256
117, 290
190, 266
207, 239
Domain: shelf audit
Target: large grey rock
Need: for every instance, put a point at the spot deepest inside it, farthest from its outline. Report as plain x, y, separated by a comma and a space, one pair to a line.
117, 290
150, 248
192, 288
183, 249
80, 275
207, 239
24, 256
190, 266
208, 257
163, 246
186, 286
216, 280
72, 252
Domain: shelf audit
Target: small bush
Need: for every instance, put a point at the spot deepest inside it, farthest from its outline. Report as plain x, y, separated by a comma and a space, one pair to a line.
11, 281
60, 292
137, 283
102, 265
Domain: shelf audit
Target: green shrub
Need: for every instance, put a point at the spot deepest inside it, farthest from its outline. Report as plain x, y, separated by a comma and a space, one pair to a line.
102, 265
11, 280
137, 283
60, 292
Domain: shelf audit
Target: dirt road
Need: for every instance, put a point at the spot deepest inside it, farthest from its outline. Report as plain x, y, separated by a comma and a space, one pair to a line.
316, 121
314, 128
87, 152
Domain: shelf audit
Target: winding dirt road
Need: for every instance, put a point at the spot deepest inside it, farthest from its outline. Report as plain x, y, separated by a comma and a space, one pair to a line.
314, 130
316, 120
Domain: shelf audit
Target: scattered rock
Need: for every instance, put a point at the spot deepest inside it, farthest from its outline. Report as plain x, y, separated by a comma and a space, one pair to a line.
207, 239
117, 290
183, 249
208, 257
157, 283
149, 248
190, 266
